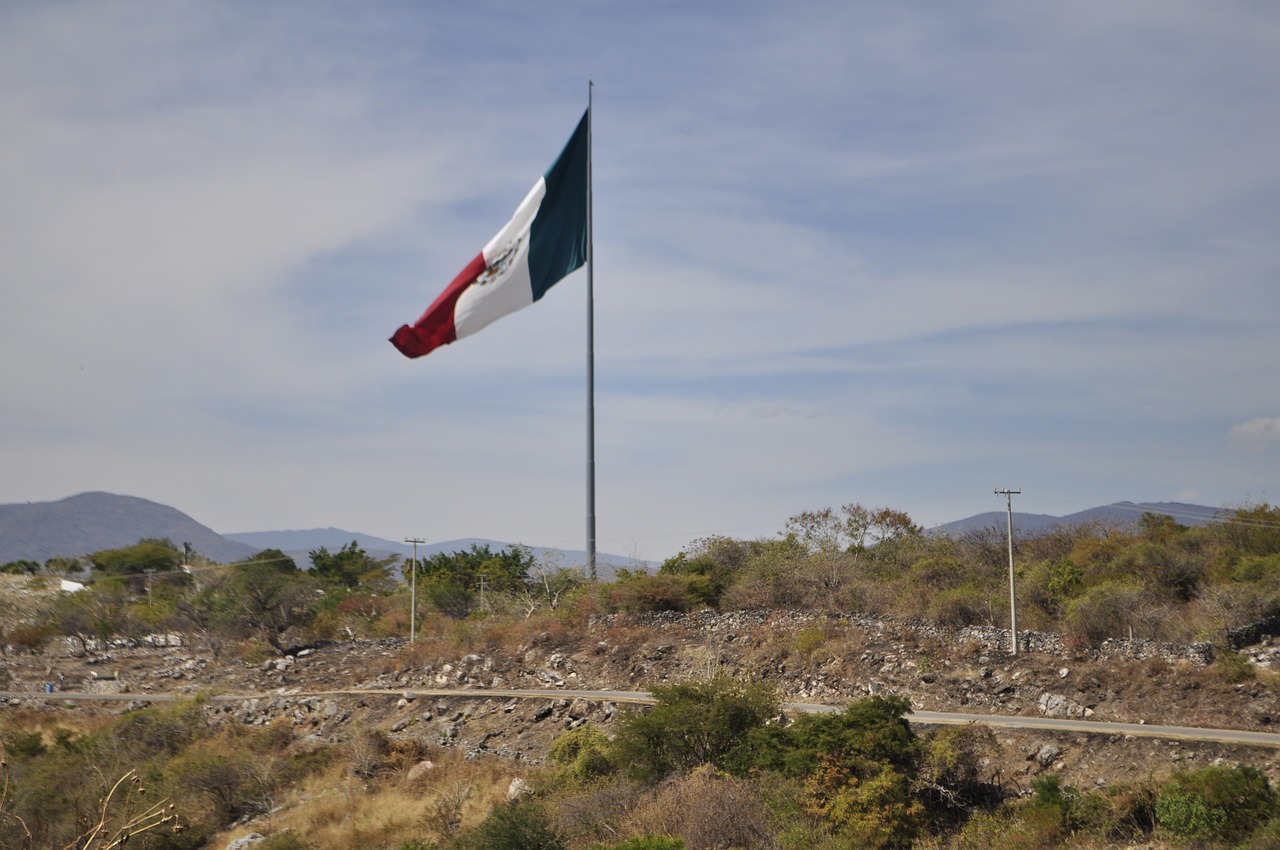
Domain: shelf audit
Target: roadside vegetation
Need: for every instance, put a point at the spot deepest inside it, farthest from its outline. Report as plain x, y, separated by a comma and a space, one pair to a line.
710, 766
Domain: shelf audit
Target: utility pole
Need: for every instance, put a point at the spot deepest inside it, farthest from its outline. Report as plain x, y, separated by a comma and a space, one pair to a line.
149, 571
413, 590
1013, 603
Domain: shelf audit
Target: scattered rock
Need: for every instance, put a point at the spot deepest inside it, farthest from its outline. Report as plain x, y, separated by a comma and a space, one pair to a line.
1057, 705
420, 770
1047, 755
247, 841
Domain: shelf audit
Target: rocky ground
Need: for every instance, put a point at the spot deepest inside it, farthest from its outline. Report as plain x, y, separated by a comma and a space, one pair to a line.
811, 659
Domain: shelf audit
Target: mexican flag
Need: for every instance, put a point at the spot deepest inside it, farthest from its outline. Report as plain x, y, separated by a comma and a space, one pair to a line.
544, 241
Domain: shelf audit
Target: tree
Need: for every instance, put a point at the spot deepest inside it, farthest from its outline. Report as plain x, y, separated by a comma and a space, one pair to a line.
265, 596
351, 566
854, 529
147, 555
549, 587
713, 563
507, 570
63, 566
452, 581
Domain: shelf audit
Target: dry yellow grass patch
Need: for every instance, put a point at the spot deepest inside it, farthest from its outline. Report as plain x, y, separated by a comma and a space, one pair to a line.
337, 810
48, 722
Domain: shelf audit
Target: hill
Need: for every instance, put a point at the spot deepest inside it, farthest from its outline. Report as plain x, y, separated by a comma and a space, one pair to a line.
1117, 513
92, 522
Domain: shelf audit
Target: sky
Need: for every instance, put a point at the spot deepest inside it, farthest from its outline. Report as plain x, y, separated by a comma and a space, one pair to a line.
895, 253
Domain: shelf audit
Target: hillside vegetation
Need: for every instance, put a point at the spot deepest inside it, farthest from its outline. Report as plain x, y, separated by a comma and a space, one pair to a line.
710, 765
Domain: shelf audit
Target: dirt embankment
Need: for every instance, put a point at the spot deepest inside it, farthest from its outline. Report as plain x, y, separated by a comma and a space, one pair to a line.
811, 659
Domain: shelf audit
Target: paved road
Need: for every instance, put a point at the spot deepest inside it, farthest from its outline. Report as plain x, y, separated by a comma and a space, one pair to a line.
1046, 724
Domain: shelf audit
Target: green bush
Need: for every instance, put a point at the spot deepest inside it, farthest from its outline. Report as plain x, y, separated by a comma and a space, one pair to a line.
522, 825
858, 768
581, 754
1215, 803
1234, 667
693, 723
871, 731
25, 744
809, 640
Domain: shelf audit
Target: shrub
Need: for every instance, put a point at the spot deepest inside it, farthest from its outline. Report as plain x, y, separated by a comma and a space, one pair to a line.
694, 723
961, 606
871, 732
522, 825
1055, 806
953, 761
1106, 610
1234, 667
1266, 837
1215, 802
858, 768
809, 640
30, 636
231, 784
593, 812
875, 809
939, 573
581, 754
705, 809
640, 592
25, 744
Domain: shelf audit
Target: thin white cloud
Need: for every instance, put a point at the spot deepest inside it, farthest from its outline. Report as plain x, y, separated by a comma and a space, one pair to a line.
1256, 434
842, 249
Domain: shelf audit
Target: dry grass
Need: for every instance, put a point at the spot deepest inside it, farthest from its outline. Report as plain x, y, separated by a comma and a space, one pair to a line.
729, 812
49, 721
337, 809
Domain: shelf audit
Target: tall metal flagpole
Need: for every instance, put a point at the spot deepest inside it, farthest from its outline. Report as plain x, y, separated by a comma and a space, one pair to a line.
591, 367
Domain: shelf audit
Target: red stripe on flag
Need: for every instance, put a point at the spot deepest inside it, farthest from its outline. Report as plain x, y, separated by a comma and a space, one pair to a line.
436, 327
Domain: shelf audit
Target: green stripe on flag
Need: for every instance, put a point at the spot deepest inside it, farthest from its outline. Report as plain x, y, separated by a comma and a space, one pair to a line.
558, 238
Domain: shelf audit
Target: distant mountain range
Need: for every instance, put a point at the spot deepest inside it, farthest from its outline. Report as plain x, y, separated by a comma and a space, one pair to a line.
1117, 513
92, 522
